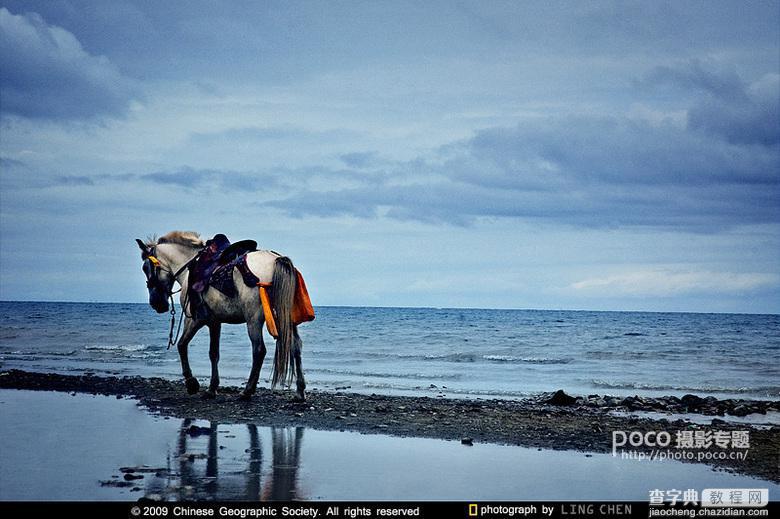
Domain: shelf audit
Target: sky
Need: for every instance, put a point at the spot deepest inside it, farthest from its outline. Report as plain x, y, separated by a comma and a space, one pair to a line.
548, 155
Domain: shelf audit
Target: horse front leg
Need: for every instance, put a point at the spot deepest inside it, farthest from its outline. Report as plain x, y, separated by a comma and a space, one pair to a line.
255, 329
191, 327
214, 332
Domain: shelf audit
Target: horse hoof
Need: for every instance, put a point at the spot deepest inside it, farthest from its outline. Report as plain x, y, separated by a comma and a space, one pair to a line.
299, 398
245, 397
192, 385
209, 394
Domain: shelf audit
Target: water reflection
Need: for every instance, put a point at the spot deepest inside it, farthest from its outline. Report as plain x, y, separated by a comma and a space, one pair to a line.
209, 461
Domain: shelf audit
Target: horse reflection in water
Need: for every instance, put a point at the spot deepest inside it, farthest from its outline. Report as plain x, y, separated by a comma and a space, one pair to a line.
228, 473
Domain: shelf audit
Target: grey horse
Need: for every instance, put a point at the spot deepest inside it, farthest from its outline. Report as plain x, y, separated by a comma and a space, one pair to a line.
165, 262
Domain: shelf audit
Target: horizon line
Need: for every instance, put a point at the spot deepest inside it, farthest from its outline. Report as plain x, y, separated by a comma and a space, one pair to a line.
515, 309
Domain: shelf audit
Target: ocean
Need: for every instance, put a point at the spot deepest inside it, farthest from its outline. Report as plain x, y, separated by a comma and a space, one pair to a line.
426, 351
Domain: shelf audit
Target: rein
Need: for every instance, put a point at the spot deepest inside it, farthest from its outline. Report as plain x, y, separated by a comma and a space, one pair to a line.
171, 339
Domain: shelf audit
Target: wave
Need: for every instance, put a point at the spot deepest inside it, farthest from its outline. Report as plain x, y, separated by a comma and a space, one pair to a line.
616, 354
764, 390
457, 357
449, 357
61, 353
116, 347
373, 374
42, 354
527, 360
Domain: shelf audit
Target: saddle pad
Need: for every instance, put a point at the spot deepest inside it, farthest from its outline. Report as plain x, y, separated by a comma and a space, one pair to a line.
302, 310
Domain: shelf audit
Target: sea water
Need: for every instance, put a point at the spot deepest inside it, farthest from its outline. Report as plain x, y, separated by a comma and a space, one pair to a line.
426, 351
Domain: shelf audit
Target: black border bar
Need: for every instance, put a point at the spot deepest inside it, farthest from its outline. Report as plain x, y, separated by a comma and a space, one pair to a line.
374, 509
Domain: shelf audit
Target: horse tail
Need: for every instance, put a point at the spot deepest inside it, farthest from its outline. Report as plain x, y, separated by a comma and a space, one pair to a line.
284, 284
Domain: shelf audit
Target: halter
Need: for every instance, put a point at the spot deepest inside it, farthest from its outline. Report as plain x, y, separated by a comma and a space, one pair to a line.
153, 281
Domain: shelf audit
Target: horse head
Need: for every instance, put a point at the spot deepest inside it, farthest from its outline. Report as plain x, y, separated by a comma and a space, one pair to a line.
159, 279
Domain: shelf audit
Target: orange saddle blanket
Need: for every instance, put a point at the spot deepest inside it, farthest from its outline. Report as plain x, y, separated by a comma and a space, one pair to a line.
302, 310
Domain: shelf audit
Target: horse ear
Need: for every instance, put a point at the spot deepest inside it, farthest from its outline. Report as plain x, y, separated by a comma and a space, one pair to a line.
142, 246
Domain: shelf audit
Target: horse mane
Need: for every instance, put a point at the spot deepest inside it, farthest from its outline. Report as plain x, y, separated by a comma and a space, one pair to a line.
185, 238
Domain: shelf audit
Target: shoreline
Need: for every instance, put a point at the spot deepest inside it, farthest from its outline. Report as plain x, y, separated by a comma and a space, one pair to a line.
556, 422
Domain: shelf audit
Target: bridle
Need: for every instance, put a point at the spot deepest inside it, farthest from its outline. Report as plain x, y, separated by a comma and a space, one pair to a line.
153, 281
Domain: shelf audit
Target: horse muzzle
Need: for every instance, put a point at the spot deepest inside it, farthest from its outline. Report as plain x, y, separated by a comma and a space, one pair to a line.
161, 309
160, 305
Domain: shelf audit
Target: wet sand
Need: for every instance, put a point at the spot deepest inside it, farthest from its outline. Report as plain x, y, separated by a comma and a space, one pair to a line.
582, 424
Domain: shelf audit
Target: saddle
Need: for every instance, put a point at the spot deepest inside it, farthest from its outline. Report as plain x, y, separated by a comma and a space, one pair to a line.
213, 267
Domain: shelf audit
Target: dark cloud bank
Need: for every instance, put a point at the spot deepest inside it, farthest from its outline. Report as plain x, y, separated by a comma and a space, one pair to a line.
47, 74
718, 169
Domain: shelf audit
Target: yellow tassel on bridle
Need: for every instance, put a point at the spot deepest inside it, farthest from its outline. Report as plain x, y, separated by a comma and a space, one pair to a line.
154, 260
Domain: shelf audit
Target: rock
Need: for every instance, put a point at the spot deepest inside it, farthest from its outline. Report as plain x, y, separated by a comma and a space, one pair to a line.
561, 398
691, 402
741, 410
630, 402
467, 441
718, 421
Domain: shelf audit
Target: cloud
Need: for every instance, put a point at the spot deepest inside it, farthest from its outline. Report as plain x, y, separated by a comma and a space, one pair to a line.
730, 108
254, 134
8, 163
191, 178
724, 84
47, 74
667, 283
74, 180
713, 167
590, 171
359, 159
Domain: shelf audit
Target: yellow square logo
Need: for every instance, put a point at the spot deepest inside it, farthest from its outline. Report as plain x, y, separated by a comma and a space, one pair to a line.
473, 510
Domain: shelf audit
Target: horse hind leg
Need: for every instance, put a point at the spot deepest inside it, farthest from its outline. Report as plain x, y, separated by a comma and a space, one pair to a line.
214, 333
300, 392
255, 329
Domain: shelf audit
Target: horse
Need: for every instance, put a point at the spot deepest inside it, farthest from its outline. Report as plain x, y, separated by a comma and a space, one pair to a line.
166, 261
